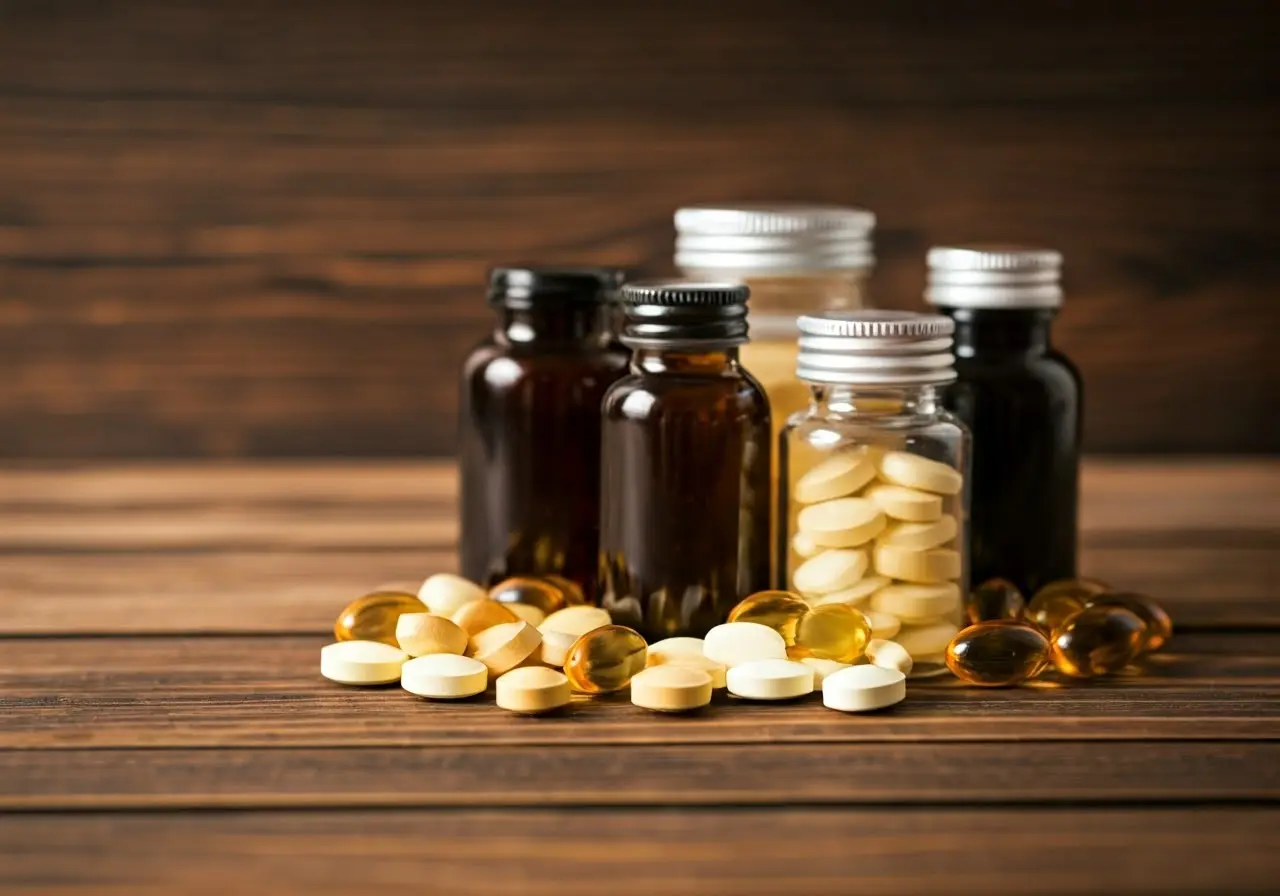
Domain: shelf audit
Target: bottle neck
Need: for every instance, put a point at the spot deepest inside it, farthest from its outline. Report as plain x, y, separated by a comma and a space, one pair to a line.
566, 323
995, 331
882, 402
717, 362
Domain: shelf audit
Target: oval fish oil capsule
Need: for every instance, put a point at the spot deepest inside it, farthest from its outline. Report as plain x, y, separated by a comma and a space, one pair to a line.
444, 593
779, 610
671, 688
1054, 603
905, 504
855, 595
532, 690
421, 633
605, 659
834, 632
992, 600
1097, 641
998, 654
833, 570
920, 536
503, 647
1159, 625
530, 591
913, 471
864, 688
842, 523
373, 617
836, 476
889, 655
920, 567
732, 643
361, 662
477, 615
444, 676
917, 603
770, 679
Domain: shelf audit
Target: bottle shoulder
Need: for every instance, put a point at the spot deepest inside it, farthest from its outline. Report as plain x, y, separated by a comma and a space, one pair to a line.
1052, 370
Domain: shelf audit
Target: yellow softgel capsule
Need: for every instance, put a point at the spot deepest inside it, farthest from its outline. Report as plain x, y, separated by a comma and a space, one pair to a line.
671, 688
419, 634
833, 632
605, 659
1097, 641
478, 615
994, 599
912, 471
841, 523
1159, 625
779, 610
571, 590
444, 593
833, 570
532, 591
998, 653
532, 689
373, 617
839, 475
1054, 603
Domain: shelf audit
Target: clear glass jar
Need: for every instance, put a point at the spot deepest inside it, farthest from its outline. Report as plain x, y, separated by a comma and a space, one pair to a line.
796, 259
874, 476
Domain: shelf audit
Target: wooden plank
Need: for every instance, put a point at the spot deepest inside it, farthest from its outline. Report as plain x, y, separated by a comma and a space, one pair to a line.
249, 692
650, 775
288, 255
634, 851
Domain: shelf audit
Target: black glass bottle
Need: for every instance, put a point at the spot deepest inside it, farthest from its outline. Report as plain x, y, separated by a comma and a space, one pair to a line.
529, 440
1021, 399
684, 531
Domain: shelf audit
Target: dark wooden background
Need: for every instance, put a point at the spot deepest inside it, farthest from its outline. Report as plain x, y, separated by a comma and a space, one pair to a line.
261, 228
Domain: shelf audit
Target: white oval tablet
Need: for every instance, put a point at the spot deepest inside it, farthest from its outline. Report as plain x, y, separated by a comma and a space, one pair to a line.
907, 504
920, 536
921, 567
671, 688
444, 676
528, 613
732, 643
839, 475
444, 593
889, 655
856, 595
423, 633
532, 690
361, 662
917, 603
926, 640
823, 667
577, 620
842, 523
830, 571
555, 646
770, 679
804, 546
864, 688
679, 646
914, 471
505, 646
883, 625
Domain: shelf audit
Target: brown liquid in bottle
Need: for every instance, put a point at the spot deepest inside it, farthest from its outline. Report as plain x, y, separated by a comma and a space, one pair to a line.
529, 446
685, 494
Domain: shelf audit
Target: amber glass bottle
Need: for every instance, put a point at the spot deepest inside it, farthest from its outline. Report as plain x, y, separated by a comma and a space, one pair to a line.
529, 441
1022, 400
684, 531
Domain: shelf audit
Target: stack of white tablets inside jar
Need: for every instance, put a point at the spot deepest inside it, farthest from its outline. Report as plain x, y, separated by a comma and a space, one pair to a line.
881, 530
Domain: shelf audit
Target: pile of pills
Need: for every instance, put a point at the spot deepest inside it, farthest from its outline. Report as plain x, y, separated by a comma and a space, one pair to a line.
875, 531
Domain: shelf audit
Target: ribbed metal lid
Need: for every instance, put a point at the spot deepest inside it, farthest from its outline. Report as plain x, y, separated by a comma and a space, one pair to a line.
773, 238
876, 348
684, 314
994, 277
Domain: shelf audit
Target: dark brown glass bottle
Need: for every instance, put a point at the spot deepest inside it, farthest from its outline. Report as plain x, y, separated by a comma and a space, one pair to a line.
684, 531
1022, 401
529, 441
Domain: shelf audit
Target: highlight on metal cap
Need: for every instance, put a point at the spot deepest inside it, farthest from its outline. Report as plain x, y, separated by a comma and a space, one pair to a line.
875, 348
774, 238
995, 276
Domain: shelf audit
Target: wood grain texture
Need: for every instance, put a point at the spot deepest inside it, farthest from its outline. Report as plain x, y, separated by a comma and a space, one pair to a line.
678, 852
241, 230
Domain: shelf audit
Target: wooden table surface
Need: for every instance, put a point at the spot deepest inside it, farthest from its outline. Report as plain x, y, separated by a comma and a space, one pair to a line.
164, 728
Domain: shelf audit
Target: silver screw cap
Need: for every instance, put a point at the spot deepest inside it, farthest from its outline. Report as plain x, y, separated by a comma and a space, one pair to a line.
774, 238
994, 277
876, 348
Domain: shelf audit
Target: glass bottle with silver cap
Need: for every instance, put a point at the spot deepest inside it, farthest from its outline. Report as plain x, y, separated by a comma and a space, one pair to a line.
1022, 400
875, 476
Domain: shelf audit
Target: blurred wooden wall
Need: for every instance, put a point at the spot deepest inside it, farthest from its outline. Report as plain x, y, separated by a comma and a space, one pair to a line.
261, 228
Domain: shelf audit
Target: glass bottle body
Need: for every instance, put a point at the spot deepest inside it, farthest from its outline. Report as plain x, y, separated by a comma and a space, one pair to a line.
685, 492
529, 446
1022, 402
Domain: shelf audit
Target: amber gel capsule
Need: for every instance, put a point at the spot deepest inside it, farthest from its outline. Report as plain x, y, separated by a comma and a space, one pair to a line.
605, 659
998, 653
1052, 604
833, 632
373, 617
1097, 641
534, 591
994, 599
1159, 625
779, 610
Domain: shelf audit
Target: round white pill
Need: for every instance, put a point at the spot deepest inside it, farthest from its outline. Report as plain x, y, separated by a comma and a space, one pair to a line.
889, 655
914, 471
361, 662
577, 620
907, 504
717, 671
842, 523
839, 475
732, 643
823, 667
883, 625
920, 536
671, 688
855, 595
917, 603
679, 646
830, 571
864, 688
444, 593
804, 546
421, 633
771, 679
444, 676
926, 640
532, 689
921, 567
